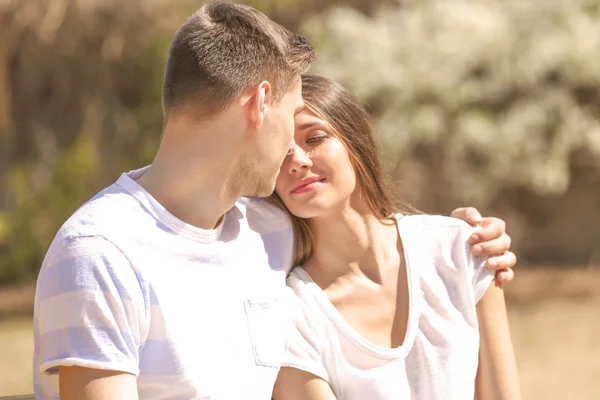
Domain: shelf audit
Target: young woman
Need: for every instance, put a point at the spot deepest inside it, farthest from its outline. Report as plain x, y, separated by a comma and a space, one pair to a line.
389, 304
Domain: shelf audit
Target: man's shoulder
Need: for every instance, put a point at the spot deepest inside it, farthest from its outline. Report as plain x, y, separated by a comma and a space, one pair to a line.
263, 215
111, 210
261, 205
274, 227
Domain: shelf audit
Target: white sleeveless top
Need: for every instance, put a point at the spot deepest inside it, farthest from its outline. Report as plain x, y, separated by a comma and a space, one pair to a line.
439, 356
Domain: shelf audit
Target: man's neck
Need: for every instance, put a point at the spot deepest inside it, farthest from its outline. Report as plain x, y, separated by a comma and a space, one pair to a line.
195, 180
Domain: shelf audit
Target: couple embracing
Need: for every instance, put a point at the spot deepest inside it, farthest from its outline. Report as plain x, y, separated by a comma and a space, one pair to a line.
263, 254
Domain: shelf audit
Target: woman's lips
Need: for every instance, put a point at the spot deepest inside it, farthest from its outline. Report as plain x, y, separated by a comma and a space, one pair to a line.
306, 184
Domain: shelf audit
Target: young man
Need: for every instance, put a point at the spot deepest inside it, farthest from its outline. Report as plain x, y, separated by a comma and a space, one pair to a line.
166, 285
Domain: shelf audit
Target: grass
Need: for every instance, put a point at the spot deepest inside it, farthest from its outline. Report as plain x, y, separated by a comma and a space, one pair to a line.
555, 324
557, 348
16, 344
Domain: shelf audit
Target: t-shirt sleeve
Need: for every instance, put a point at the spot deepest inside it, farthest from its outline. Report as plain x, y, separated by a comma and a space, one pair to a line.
304, 349
481, 277
275, 228
90, 309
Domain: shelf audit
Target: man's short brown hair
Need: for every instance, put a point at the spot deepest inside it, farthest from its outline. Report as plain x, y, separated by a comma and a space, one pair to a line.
224, 49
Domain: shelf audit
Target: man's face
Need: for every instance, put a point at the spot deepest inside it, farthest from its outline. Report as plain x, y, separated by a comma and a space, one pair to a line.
275, 139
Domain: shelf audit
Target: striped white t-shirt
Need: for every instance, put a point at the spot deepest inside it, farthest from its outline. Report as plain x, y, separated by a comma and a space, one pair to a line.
192, 313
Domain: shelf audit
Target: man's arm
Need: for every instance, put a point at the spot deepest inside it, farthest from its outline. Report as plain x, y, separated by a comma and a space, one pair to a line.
295, 384
78, 383
90, 321
497, 372
490, 241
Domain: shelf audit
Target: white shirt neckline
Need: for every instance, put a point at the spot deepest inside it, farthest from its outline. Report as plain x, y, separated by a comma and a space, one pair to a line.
128, 182
350, 333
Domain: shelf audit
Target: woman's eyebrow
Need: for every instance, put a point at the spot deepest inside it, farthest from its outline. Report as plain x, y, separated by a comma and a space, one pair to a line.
307, 125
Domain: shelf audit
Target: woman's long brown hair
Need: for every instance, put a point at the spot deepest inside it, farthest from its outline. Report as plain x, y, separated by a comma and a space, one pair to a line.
353, 126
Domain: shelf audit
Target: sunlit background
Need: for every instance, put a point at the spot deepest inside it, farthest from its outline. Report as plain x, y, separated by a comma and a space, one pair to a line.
489, 103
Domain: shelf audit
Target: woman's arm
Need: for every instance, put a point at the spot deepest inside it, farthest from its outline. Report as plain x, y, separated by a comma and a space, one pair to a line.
497, 373
295, 384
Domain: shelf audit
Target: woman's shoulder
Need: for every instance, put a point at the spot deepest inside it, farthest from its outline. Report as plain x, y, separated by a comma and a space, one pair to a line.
437, 228
429, 221
306, 307
442, 243
309, 300
438, 238
300, 283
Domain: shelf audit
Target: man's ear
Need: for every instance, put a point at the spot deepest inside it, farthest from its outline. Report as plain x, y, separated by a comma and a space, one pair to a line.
256, 103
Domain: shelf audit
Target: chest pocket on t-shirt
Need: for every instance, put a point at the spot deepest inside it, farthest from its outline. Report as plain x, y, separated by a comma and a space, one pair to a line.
266, 324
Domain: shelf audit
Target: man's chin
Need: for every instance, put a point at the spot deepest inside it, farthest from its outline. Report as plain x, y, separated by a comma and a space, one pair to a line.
265, 189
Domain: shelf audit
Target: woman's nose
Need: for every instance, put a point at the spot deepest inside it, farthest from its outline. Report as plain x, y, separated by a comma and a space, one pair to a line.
300, 160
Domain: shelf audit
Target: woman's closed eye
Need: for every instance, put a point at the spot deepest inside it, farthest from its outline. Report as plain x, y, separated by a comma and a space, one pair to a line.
317, 138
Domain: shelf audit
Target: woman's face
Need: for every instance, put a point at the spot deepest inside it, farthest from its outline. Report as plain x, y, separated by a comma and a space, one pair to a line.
317, 177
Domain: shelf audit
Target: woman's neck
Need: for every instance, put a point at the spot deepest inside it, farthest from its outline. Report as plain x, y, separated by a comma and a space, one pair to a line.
350, 243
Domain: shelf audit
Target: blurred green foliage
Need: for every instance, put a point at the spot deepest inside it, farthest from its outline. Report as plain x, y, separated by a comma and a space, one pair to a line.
80, 103
495, 104
479, 102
